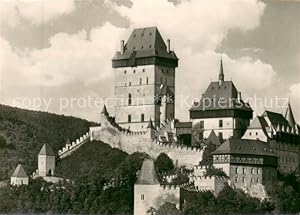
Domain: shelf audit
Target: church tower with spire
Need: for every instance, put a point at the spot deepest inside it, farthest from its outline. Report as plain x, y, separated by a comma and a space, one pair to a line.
144, 80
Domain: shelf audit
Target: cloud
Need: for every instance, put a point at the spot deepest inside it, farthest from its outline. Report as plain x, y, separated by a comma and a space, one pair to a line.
294, 96
196, 29
36, 11
70, 58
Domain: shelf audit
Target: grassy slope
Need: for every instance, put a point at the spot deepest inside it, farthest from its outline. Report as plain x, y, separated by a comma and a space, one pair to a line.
23, 132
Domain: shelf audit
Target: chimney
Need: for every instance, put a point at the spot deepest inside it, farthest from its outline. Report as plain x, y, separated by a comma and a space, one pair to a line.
168, 45
239, 98
122, 47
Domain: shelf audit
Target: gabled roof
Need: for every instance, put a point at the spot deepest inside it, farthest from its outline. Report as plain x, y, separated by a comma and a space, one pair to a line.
46, 150
290, 116
276, 119
19, 172
244, 147
212, 138
145, 42
147, 175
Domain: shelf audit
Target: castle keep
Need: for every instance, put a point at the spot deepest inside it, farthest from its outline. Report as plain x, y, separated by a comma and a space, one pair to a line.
144, 80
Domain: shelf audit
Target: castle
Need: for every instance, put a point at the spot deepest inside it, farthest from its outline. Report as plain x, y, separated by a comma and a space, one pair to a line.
248, 152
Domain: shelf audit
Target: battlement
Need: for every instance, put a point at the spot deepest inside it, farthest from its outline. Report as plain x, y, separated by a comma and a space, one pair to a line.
170, 187
70, 147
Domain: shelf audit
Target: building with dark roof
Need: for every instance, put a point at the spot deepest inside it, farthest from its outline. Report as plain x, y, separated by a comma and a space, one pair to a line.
222, 109
281, 133
144, 80
19, 177
246, 162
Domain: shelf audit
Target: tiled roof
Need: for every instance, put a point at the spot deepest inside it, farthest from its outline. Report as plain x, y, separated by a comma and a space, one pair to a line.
290, 116
212, 138
145, 42
244, 147
147, 175
19, 172
220, 96
46, 150
276, 119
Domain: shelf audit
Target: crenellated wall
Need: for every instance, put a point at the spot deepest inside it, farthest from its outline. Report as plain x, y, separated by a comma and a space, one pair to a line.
144, 141
69, 148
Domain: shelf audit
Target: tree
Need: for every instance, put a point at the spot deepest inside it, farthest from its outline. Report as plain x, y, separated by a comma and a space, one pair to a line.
163, 164
168, 209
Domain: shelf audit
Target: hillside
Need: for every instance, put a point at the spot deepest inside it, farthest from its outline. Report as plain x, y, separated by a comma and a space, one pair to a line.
23, 132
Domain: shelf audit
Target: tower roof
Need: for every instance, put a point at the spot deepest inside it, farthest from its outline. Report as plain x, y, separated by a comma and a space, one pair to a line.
46, 150
212, 138
290, 116
244, 147
104, 110
144, 43
150, 124
148, 174
221, 74
19, 172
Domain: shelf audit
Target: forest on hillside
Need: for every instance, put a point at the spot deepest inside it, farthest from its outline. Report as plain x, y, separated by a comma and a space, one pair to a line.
23, 132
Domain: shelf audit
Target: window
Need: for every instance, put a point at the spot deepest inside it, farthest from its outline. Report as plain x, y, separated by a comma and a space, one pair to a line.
129, 118
140, 81
124, 71
257, 180
252, 180
257, 171
201, 124
236, 170
142, 197
129, 84
220, 123
244, 170
134, 71
142, 117
243, 179
252, 171
236, 179
147, 80
129, 99
256, 133
143, 70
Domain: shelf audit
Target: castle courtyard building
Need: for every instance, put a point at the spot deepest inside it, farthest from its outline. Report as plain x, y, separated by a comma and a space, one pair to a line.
144, 80
282, 135
221, 109
246, 162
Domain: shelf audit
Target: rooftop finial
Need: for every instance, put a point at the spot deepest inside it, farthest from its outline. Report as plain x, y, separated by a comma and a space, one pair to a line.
221, 74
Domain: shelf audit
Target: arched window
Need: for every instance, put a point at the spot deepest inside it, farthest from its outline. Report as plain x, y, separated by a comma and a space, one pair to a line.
129, 99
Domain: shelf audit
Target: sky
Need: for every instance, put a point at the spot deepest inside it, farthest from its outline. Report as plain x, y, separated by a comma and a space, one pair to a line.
56, 57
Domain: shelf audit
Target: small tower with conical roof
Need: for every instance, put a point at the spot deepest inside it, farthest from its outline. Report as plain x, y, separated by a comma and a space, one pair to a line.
46, 161
146, 188
151, 129
19, 177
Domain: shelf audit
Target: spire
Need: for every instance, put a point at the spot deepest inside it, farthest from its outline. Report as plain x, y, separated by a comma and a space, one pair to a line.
104, 111
150, 125
289, 116
221, 74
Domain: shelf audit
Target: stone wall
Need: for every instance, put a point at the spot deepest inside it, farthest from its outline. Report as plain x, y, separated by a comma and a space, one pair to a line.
144, 141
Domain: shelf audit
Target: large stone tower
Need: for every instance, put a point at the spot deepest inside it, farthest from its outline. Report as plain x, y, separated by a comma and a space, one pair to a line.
144, 80
46, 161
